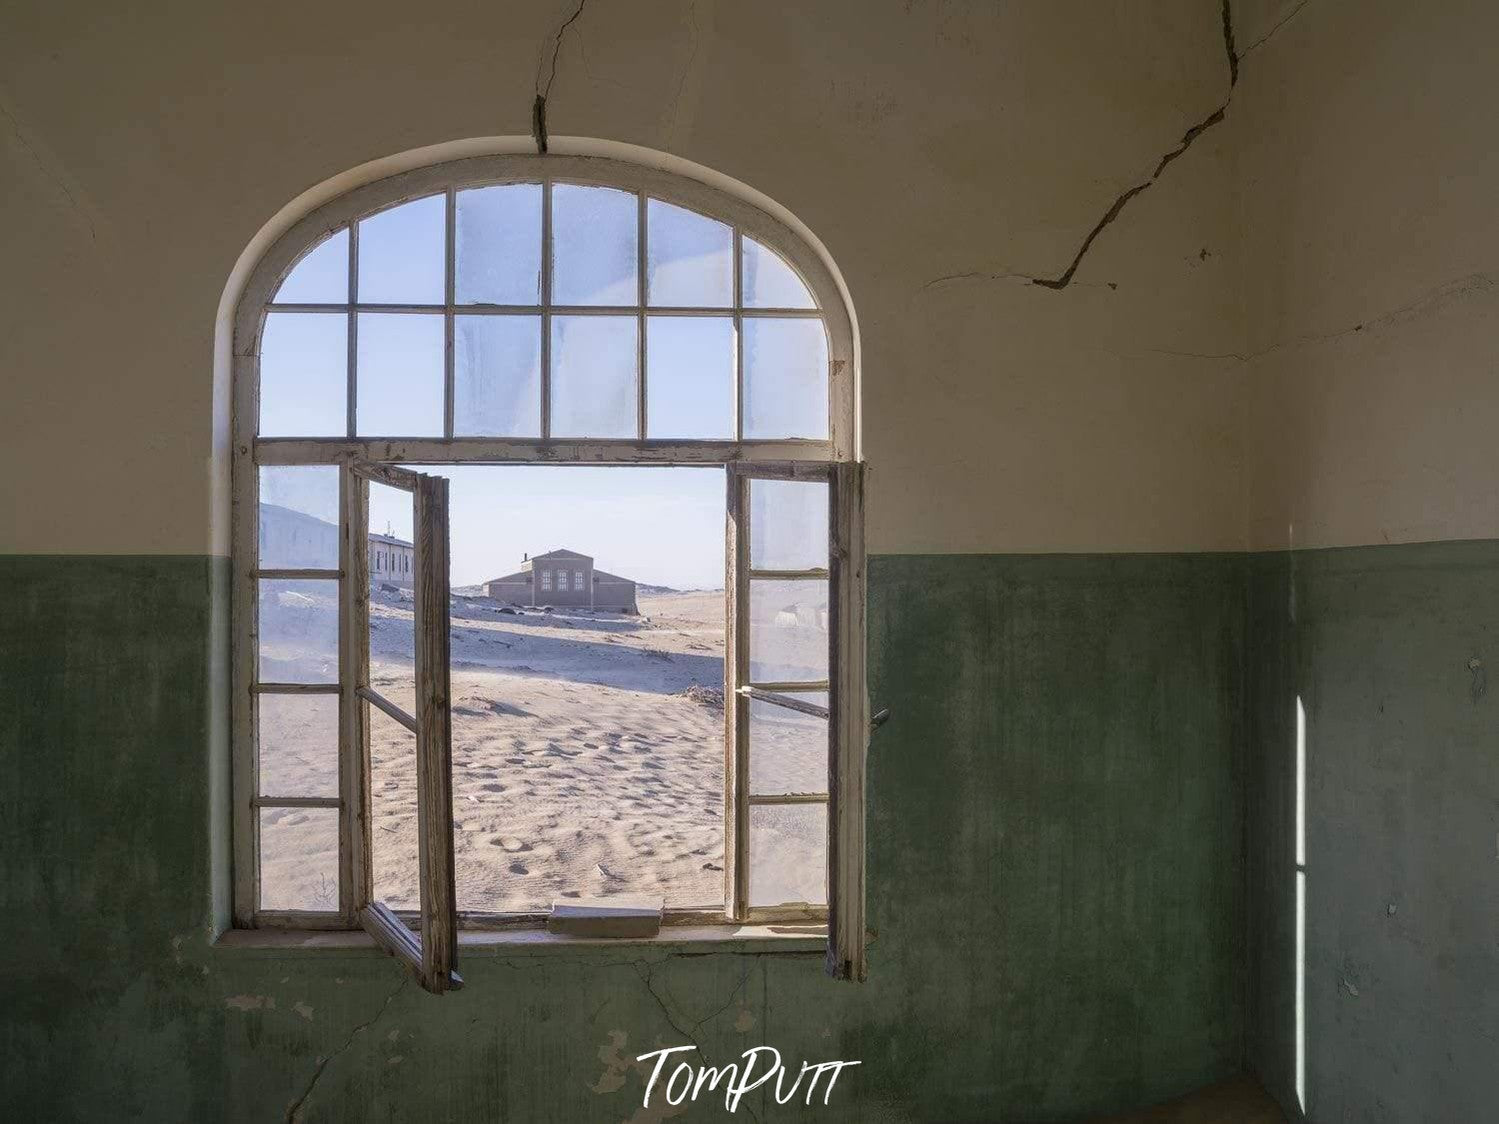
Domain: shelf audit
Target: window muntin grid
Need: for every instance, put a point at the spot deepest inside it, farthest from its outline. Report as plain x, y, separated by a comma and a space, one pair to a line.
395, 359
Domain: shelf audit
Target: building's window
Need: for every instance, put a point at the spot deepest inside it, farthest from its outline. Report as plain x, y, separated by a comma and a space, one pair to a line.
573, 316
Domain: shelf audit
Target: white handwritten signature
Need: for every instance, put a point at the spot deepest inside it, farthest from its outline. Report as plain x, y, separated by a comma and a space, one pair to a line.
736, 1083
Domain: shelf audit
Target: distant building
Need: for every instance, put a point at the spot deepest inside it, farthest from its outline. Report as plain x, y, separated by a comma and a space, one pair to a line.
564, 577
391, 560
294, 540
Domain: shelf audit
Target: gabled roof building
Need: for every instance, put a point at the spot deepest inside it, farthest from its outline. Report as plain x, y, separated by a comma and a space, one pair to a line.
564, 578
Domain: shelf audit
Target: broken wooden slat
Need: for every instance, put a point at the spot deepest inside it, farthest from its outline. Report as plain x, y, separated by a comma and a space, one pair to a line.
392, 935
790, 702
376, 699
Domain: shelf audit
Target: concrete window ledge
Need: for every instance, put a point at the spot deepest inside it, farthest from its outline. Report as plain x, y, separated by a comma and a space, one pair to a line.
684, 939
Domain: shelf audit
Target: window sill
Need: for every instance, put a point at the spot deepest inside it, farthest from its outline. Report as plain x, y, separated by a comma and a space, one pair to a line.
673, 939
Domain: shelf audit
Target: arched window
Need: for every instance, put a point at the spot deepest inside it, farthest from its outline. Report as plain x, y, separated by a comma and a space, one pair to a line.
535, 311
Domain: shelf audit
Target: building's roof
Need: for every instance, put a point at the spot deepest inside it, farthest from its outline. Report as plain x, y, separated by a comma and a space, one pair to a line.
290, 516
521, 576
518, 576
562, 554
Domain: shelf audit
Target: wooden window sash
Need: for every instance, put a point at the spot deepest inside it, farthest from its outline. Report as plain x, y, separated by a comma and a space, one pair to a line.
848, 726
431, 954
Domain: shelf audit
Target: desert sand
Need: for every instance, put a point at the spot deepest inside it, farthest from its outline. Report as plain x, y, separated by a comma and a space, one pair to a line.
587, 751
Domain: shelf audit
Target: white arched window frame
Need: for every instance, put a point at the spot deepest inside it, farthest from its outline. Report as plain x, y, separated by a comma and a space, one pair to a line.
364, 458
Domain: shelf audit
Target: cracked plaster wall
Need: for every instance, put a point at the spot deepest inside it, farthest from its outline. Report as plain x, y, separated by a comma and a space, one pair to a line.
143, 146
1327, 384
1368, 175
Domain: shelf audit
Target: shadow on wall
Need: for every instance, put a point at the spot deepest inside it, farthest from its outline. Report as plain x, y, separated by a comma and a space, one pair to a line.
1372, 987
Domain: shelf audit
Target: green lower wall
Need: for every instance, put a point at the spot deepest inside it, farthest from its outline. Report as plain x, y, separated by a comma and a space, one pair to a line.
1055, 878
1392, 651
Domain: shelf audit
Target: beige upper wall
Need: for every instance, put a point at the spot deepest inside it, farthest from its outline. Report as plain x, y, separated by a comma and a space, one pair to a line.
1370, 193
936, 148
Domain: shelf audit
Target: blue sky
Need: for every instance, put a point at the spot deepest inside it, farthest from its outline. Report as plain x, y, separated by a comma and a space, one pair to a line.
657, 525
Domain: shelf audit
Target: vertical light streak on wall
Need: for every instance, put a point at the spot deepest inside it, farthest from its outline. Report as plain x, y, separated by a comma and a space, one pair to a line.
1300, 905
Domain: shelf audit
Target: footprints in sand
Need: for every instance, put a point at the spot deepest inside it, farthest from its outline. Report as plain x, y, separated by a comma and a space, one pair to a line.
561, 775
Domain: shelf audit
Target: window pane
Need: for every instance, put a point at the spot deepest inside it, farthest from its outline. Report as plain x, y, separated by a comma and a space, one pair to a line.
299, 517
497, 376
402, 254
785, 378
298, 745
769, 282
299, 858
304, 375
690, 383
298, 631
498, 245
593, 376
788, 849
788, 525
392, 512
392, 638
690, 258
593, 245
789, 631
321, 277
788, 749
400, 375
394, 847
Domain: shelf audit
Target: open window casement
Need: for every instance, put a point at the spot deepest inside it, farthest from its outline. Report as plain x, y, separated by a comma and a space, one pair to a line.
431, 952
795, 652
